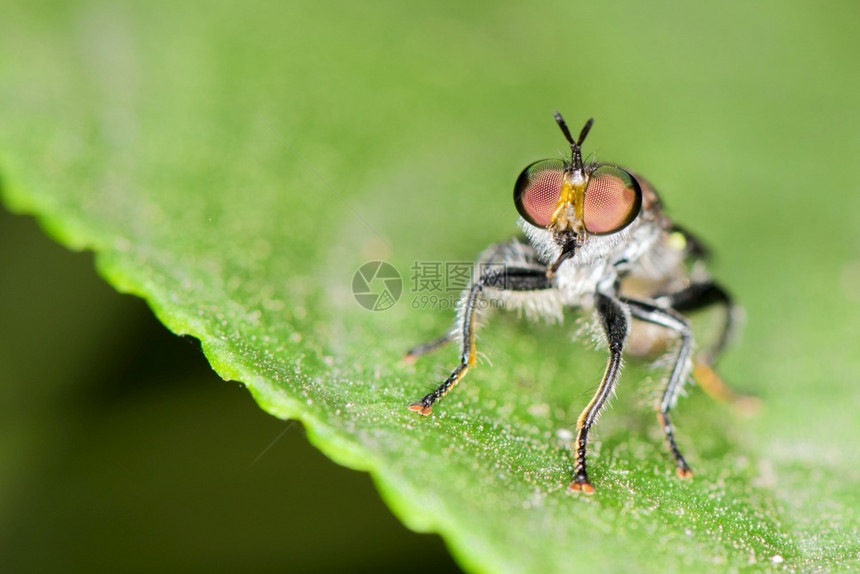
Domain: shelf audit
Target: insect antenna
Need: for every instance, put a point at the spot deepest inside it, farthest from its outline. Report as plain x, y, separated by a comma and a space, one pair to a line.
575, 146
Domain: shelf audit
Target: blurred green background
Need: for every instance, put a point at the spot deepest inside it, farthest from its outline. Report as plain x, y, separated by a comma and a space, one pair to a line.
744, 116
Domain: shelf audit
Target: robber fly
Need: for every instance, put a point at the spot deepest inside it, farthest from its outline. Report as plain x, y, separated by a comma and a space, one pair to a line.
597, 241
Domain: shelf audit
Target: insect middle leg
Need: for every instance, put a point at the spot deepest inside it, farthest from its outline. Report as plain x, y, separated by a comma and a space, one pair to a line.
651, 312
699, 296
509, 279
428, 347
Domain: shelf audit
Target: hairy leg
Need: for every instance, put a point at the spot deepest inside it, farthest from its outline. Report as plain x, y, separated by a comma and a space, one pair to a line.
651, 312
506, 279
701, 295
615, 327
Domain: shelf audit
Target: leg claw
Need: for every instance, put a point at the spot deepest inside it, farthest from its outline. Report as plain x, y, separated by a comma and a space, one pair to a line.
420, 408
684, 472
582, 484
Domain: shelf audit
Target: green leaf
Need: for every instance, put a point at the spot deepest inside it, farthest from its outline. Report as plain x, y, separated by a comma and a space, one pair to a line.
235, 165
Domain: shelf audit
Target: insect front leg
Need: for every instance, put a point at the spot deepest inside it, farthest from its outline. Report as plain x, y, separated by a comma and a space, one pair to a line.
519, 259
615, 327
509, 279
467, 352
651, 312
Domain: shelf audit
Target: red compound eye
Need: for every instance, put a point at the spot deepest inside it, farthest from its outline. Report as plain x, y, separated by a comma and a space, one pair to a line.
613, 199
538, 189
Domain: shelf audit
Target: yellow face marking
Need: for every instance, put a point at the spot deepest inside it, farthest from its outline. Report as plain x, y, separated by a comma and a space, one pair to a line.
572, 195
